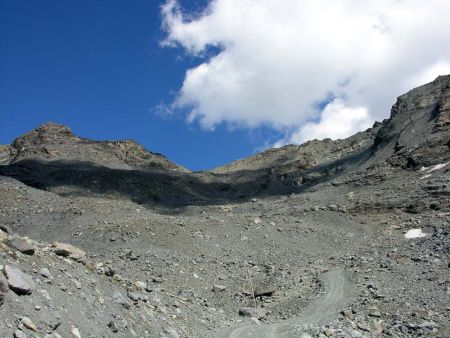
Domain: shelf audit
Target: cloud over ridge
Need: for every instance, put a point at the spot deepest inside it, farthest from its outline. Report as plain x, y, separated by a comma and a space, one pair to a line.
279, 62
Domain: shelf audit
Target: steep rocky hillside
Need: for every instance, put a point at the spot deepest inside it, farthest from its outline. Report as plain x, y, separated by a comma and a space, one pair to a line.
417, 128
346, 238
418, 131
304, 156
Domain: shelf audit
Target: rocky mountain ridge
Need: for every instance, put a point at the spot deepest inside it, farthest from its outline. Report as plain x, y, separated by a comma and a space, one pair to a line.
52, 142
345, 238
418, 114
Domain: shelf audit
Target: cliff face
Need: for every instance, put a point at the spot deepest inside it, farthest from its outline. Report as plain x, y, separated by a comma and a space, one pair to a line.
418, 131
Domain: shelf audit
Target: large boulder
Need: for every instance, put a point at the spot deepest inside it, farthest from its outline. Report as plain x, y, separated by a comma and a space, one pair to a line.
68, 250
22, 245
18, 281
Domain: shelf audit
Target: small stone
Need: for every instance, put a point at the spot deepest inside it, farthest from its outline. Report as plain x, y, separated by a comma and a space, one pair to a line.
45, 273
76, 332
378, 324
3, 236
68, 250
329, 332
219, 288
22, 245
113, 326
109, 271
267, 291
141, 285
126, 253
333, 207
305, 335
374, 312
132, 257
171, 332
356, 334
428, 325
133, 296
19, 282
363, 326
158, 280
251, 312
350, 195
256, 321
3, 288
348, 314
52, 335
19, 334
120, 299
5, 228
257, 220
27, 322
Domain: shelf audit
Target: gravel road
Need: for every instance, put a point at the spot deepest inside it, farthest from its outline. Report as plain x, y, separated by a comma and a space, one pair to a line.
322, 310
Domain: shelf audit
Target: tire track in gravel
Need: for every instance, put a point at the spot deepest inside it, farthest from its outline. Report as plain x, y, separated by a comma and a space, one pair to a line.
321, 311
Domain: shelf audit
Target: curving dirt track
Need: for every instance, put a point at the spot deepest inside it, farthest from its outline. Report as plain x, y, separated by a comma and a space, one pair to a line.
320, 312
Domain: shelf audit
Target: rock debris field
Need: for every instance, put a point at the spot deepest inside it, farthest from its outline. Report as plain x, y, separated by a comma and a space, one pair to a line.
345, 238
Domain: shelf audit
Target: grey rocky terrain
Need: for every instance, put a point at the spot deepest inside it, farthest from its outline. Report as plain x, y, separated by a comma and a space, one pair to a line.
345, 238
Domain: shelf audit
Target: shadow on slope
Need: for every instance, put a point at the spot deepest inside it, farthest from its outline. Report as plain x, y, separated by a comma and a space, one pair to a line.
162, 188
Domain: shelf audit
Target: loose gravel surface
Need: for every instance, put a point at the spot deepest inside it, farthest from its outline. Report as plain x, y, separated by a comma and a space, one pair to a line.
351, 240
320, 312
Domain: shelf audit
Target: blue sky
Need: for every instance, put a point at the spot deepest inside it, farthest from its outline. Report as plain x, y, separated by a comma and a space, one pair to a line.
268, 74
98, 67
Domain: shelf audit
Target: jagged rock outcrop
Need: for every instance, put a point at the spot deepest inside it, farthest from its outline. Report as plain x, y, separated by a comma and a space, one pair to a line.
418, 131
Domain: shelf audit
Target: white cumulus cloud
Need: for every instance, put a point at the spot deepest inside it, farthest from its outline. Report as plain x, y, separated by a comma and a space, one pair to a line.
279, 62
336, 121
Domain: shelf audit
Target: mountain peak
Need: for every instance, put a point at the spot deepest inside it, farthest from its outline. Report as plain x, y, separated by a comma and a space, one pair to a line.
57, 142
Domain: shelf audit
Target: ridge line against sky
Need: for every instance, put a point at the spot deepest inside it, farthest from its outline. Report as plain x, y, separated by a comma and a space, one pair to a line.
232, 76
310, 69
